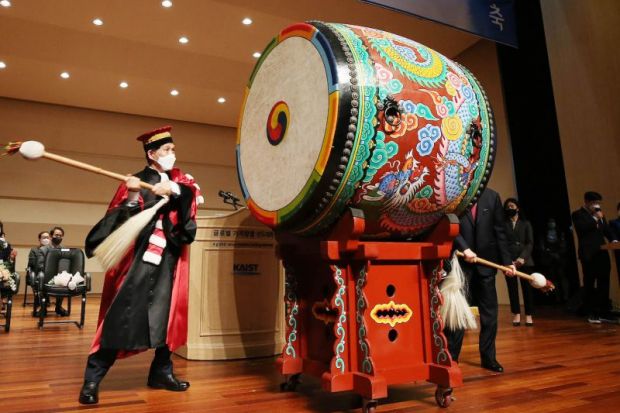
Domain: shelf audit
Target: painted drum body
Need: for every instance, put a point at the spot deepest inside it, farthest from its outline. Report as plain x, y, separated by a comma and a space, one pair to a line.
338, 115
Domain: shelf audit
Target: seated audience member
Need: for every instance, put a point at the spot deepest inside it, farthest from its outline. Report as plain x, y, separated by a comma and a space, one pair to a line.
7, 253
57, 234
34, 256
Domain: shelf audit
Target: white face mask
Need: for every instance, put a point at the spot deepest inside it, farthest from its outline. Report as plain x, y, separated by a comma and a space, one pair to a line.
45, 241
167, 161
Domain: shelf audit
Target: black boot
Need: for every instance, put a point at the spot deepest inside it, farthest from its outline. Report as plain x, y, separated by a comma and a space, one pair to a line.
492, 365
160, 380
89, 393
161, 373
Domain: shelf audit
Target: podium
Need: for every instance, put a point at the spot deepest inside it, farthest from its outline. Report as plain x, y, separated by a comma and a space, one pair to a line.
235, 289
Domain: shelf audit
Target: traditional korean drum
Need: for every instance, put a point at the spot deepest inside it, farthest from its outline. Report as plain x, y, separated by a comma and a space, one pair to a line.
336, 115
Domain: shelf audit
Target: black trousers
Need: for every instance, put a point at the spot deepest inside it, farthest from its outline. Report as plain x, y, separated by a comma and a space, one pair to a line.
483, 294
513, 293
100, 362
597, 269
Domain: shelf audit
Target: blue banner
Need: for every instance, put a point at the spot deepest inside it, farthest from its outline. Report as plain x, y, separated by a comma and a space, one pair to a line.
491, 19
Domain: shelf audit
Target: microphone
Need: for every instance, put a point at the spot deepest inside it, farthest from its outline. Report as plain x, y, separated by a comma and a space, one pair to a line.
228, 195
229, 198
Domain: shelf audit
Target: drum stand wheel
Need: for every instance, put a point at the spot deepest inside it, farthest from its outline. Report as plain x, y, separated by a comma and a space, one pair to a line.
291, 382
443, 396
369, 405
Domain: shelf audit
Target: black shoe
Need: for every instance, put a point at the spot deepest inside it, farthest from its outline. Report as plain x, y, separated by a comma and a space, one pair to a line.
516, 323
89, 393
62, 312
167, 381
493, 366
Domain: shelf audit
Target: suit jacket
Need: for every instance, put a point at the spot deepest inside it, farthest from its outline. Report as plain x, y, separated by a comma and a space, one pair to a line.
615, 226
35, 257
485, 234
591, 234
520, 240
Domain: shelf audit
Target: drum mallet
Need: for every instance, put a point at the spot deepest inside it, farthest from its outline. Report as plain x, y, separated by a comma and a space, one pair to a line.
536, 280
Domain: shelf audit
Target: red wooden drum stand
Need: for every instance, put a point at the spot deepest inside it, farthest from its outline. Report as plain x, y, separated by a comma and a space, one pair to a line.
362, 315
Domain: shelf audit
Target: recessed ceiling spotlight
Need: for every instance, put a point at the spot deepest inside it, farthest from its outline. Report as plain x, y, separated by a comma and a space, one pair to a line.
166, 3
124, 85
256, 54
247, 21
5, 3
97, 22
2, 65
183, 40
221, 100
65, 75
174, 92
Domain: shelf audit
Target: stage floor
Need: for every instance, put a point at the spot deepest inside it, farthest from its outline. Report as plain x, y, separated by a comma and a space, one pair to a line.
562, 364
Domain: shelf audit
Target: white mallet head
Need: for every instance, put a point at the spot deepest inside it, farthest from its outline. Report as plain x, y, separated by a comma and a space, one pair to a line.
32, 149
539, 280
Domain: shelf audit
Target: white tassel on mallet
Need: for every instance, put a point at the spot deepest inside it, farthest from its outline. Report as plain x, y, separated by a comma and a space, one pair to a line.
114, 247
455, 311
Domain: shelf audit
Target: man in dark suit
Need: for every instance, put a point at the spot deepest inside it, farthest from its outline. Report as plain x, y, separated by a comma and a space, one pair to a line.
592, 229
615, 227
482, 234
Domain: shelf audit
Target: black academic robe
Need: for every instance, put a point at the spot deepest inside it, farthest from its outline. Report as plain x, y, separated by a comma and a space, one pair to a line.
136, 302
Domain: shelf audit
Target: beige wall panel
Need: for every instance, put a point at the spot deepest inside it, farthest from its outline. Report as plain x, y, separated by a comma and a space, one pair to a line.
582, 40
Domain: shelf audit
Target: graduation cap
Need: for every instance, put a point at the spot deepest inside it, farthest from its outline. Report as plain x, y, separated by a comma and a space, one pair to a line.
156, 138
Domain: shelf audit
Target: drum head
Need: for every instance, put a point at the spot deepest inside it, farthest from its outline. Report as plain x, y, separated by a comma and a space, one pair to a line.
284, 123
286, 127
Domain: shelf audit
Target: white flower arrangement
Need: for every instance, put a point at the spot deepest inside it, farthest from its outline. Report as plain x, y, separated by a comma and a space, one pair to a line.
7, 278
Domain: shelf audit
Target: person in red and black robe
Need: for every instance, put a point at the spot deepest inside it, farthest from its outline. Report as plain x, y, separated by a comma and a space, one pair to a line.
144, 300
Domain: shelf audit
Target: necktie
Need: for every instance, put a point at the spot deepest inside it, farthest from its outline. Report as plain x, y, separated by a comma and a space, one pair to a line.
474, 211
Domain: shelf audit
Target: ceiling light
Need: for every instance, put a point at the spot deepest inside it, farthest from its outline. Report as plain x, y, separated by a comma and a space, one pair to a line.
256, 54
2, 65
65, 75
5, 3
98, 22
221, 100
183, 40
166, 3
247, 21
124, 85
174, 92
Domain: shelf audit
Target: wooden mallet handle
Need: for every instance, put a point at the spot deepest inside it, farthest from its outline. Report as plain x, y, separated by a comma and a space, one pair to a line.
548, 284
486, 263
34, 150
90, 168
